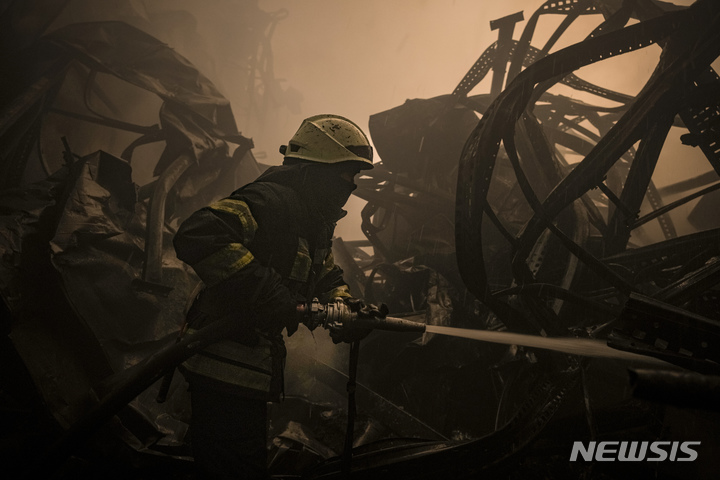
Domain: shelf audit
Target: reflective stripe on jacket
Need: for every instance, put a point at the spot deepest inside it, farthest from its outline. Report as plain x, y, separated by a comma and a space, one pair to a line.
260, 226
254, 371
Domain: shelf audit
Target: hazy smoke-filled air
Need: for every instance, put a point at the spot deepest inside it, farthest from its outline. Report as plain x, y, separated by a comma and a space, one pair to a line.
360, 58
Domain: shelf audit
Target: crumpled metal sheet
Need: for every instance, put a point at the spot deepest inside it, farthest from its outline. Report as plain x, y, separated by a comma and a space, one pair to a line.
98, 205
98, 250
25, 22
195, 112
80, 315
298, 433
423, 138
20, 212
44, 332
524, 249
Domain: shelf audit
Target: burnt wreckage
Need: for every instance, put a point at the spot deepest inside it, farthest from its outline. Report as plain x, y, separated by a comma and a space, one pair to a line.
515, 236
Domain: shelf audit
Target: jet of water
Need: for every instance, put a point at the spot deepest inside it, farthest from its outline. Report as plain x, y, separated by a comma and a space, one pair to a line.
586, 347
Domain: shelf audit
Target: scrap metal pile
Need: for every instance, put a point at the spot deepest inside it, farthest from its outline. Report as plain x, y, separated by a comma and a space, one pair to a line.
528, 220
89, 279
538, 229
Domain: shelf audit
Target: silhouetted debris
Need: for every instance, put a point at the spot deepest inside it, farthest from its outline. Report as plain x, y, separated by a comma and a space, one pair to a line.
527, 220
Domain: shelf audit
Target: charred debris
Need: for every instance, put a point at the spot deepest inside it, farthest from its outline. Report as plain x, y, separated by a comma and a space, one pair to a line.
522, 209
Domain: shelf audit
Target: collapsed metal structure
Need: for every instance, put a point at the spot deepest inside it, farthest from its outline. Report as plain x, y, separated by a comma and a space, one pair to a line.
470, 224
88, 276
542, 244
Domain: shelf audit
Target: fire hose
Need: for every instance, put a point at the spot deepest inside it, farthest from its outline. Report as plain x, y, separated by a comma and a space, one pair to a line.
339, 315
124, 386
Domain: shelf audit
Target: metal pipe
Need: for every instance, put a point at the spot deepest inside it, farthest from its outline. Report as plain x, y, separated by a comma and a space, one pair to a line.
152, 272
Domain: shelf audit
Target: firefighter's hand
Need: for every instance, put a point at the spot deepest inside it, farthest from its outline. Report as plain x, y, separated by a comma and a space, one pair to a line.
364, 310
372, 311
355, 304
307, 316
279, 314
348, 334
277, 310
342, 333
292, 318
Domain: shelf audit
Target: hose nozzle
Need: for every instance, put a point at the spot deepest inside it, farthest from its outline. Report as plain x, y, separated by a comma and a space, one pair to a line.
337, 313
391, 324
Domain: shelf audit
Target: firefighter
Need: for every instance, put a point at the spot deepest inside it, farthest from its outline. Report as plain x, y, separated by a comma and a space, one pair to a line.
260, 252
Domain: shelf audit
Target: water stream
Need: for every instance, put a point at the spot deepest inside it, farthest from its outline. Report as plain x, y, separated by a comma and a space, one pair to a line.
575, 346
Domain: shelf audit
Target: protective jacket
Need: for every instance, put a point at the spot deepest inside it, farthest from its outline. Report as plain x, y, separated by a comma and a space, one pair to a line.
258, 252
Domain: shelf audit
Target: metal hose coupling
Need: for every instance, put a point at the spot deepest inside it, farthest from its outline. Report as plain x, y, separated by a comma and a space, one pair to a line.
337, 313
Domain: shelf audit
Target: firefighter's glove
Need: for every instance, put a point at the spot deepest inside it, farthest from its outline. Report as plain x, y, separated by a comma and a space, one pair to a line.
355, 304
371, 311
278, 311
309, 319
349, 334
364, 310
342, 333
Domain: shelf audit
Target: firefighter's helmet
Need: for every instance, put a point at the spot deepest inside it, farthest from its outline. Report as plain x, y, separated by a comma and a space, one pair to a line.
329, 139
